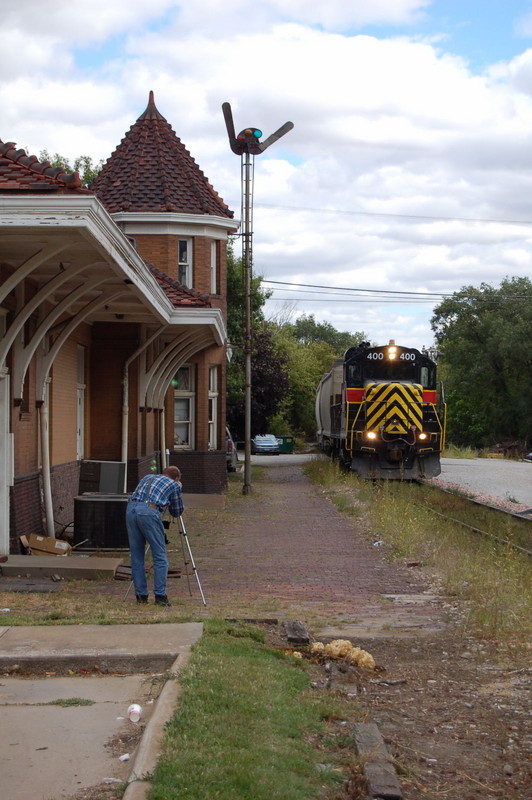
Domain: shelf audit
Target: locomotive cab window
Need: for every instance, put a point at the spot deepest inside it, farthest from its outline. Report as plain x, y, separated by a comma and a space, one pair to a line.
354, 375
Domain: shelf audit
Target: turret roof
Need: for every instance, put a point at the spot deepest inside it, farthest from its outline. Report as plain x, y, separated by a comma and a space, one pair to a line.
151, 170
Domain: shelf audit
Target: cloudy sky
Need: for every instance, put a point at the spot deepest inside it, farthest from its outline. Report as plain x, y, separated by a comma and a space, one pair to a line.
408, 173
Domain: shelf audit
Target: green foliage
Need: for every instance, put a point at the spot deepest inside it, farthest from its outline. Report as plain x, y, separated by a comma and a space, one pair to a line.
288, 362
484, 334
236, 301
310, 349
268, 374
68, 702
87, 168
307, 331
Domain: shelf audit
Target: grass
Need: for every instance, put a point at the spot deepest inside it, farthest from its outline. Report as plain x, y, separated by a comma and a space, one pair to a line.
488, 582
247, 726
68, 702
454, 451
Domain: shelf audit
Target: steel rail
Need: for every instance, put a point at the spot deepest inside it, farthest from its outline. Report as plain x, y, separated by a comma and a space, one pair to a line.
477, 530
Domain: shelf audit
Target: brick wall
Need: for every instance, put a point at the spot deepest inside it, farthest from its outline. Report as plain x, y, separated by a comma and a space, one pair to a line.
203, 472
25, 509
161, 250
63, 405
111, 346
24, 424
65, 486
137, 468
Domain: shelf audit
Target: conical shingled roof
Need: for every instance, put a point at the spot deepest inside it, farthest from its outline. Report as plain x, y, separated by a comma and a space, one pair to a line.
151, 170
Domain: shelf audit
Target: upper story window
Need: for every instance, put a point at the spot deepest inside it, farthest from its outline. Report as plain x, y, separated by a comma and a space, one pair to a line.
185, 262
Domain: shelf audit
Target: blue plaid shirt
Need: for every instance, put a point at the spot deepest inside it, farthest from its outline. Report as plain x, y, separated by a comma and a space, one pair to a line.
162, 492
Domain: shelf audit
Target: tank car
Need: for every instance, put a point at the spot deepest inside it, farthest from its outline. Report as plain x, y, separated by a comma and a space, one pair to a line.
378, 412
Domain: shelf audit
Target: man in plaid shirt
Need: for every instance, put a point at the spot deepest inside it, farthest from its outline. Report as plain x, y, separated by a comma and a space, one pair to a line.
153, 495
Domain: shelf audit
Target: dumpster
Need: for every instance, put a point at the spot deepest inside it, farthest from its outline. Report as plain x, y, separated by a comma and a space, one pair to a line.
286, 444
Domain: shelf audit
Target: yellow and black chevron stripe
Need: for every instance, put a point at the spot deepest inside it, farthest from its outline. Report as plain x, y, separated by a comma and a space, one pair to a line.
394, 407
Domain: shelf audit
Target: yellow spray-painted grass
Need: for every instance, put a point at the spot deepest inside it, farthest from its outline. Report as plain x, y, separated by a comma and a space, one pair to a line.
490, 581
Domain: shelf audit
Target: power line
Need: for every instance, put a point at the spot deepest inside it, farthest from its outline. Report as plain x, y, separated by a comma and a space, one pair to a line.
404, 296
431, 218
374, 300
300, 286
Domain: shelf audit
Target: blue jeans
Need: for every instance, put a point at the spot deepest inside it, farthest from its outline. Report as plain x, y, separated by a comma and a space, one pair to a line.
145, 527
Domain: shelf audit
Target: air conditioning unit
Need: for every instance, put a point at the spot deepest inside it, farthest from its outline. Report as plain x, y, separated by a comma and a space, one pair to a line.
100, 521
102, 476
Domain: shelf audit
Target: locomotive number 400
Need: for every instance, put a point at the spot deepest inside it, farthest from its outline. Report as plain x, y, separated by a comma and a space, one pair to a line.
402, 357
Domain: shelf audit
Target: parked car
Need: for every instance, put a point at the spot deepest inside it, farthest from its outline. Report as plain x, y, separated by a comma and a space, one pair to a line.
231, 454
267, 444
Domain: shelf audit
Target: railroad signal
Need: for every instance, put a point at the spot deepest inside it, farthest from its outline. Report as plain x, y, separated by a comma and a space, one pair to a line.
247, 144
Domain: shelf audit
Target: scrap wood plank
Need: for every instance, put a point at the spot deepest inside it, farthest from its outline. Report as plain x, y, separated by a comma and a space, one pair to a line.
378, 769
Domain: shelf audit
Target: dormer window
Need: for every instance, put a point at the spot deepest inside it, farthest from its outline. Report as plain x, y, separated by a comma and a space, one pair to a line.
185, 262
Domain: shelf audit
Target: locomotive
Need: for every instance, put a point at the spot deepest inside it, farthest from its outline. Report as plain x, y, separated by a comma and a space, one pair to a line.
378, 412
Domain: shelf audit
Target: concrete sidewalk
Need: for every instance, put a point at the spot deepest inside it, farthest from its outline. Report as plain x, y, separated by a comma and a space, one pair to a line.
52, 748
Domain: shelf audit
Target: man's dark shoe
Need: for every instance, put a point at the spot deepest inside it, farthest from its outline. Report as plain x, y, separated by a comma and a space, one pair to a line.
162, 600
142, 598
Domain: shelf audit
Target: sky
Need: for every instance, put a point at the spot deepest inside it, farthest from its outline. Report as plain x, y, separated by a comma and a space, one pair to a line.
407, 175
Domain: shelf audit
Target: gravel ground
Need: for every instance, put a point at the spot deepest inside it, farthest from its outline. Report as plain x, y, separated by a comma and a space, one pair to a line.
499, 482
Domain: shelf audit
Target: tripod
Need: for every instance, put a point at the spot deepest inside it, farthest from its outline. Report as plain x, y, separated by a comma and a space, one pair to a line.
184, 541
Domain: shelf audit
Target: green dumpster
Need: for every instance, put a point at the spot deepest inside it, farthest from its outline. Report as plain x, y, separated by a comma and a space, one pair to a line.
286, 444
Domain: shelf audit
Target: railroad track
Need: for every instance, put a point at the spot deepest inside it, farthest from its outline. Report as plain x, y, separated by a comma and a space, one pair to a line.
522, 521
479, 531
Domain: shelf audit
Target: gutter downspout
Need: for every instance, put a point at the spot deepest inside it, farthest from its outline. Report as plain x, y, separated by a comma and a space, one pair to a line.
162, 438
45, 457
125, 415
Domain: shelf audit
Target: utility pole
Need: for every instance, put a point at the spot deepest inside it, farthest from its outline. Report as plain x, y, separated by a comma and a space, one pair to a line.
247, 145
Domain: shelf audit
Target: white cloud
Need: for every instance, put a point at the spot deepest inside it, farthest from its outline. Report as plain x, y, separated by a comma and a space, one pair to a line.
78, 21
395, 129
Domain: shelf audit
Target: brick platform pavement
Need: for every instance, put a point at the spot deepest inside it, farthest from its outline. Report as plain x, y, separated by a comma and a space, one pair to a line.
286, 548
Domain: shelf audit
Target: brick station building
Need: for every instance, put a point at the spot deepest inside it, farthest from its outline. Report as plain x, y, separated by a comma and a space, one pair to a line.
113, 340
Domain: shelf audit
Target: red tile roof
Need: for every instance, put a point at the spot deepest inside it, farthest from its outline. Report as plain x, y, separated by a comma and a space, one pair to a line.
21, 173
178, 294
151, 170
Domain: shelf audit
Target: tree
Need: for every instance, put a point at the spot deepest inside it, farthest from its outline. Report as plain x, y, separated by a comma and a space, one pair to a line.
484, 335
310, 349
269, 378
87, 168
306, 330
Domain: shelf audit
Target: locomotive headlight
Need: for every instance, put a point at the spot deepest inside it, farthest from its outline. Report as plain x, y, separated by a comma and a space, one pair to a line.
392, 352
422, 436
372, 435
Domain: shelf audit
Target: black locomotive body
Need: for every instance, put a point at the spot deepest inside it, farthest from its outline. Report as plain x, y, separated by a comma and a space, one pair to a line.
377, 411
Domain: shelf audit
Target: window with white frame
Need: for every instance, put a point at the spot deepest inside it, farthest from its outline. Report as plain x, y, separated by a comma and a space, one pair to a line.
185, 262
184, 403
214, 267
213, 408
